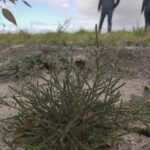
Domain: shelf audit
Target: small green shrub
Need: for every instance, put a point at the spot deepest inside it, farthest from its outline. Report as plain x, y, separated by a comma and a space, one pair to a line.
66, 113
69, 112
137, 112
141, 106
31, 65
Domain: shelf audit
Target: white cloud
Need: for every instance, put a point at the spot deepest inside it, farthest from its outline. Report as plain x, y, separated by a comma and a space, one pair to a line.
57, 3
65, 5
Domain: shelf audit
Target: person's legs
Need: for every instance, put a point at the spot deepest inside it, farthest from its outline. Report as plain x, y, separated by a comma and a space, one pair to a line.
103, 14
147, 20
110, 15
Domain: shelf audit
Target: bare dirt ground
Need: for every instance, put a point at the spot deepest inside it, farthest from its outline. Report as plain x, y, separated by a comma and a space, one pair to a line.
135, 61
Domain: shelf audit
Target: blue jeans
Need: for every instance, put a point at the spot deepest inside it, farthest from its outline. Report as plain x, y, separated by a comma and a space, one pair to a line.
147, 18
109, 14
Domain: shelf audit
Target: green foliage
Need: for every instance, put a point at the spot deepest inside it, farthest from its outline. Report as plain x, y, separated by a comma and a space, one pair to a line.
141, 105
22, 67
64, 26
31, 65
140, 111
138, 38
66, 111
69, 112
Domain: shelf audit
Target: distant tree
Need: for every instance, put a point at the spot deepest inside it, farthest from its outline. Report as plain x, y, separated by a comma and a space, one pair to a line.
7, 13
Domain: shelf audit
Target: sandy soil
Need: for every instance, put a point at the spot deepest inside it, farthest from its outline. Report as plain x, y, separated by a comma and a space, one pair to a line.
132, 58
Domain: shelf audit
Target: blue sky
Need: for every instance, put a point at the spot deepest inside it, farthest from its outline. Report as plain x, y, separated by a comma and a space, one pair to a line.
45, 15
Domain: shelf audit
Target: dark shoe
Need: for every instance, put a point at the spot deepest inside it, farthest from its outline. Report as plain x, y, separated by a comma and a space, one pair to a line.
147, 28
109, 29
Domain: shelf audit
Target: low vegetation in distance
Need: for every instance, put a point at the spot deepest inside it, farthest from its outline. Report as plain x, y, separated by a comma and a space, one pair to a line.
32, 65
137, 38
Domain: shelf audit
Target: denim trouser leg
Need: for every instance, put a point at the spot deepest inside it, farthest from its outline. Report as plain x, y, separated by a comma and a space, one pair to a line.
147, 18
109, 14
103, 15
